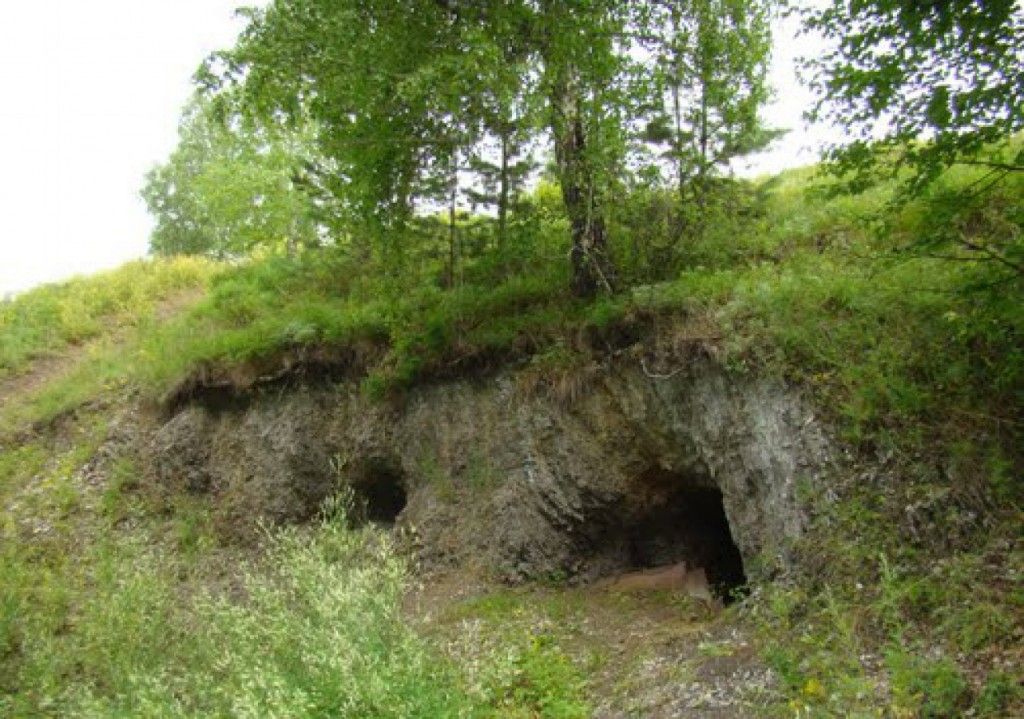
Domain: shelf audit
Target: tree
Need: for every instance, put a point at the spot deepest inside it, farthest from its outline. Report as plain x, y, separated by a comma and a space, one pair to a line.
228, 189
709, 86
502, 167
920, 85
396, 93
713, 67
502, 158
363, 72
582, 69
409, 99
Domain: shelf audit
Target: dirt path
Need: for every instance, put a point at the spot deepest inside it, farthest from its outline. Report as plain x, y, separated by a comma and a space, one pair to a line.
656, 655
46, 369
40, 373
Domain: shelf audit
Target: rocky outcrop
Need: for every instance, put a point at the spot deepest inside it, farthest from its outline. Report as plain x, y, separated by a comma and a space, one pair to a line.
704, 466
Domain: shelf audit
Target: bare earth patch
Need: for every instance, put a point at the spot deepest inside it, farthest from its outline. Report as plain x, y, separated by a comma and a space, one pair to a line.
655, 654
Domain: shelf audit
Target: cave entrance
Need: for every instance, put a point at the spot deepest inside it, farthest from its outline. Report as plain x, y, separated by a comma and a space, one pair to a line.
379, 488
681, 518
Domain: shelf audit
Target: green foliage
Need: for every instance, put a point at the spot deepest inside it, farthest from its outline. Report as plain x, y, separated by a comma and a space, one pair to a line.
900, 350
997, 694
973, 215
356, 116
924, 85
377, 125
896, 344
537, 680
152, 622
443, 92
936, 689
894, 623
524, 670
318, 633
920, 355
46, 320
709, 84
655, 238
396, 336
124, 477
229, 188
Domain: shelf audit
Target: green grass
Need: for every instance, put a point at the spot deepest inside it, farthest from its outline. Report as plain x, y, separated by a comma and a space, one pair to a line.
317, 634
123, 603
130, 625
910, 355
891, 340
45, 320
801, 287
917, 360
898, 344
90, 327
536, 680
396, 338
525, 667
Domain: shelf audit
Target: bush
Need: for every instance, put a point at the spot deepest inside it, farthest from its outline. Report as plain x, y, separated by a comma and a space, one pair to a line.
313, 630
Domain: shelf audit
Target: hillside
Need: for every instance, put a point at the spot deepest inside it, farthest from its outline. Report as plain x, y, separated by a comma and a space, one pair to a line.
184, 495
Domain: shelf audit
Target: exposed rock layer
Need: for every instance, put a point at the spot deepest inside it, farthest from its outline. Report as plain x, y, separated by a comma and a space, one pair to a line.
523, 485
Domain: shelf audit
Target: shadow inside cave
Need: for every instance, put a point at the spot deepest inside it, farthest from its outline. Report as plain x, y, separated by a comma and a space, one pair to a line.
677, 518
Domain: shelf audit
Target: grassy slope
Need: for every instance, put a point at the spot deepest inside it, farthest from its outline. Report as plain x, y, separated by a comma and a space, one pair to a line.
810, 293
117, 600
61, 345
912, 359
48, 319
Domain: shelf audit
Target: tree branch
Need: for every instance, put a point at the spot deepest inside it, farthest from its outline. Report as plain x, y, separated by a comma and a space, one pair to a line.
993, 255
1005, 166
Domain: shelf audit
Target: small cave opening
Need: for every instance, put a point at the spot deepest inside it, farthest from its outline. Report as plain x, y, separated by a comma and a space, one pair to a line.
679, 518
379, 488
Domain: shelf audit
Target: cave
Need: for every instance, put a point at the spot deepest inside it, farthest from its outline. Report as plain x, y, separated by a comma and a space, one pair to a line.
675, 517
379, 488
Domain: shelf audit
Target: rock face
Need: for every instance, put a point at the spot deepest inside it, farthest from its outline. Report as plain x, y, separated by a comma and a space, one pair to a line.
638, 472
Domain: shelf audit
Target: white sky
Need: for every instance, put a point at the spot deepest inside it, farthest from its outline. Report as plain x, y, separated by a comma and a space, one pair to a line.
90, 92
801, 146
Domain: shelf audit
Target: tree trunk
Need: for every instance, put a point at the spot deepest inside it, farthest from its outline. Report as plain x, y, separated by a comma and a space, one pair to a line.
702, 170
677, 113
591, 269
453, 199
503, 194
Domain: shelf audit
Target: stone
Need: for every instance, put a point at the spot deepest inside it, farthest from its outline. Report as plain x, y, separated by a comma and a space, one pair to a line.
525, 486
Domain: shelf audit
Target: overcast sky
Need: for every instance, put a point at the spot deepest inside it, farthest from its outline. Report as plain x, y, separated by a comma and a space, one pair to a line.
91, 92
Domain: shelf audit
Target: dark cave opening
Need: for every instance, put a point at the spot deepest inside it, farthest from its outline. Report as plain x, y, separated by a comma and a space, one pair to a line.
680, 518
380, 494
